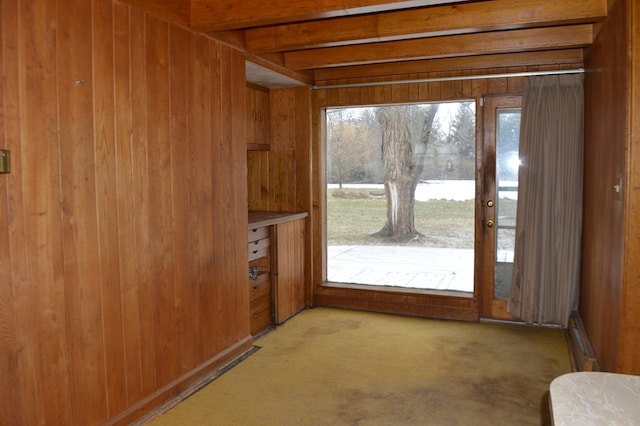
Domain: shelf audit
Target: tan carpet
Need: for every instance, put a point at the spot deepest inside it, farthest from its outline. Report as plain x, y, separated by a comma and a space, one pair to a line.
339, 367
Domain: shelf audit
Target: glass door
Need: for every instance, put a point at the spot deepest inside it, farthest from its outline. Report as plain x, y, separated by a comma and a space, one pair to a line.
499, 203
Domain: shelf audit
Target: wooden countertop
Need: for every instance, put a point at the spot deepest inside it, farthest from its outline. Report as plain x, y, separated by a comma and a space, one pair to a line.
264, 218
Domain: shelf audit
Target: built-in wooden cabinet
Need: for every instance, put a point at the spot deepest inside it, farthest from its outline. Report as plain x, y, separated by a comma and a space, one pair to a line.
278, 183
276, 249
289, 271
260, 279
257, 120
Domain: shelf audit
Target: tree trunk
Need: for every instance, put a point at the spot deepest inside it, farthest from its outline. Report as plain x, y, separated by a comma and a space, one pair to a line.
403, 162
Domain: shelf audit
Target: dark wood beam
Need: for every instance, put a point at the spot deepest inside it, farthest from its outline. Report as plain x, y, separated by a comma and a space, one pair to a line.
511, 41
548, 58
433, 21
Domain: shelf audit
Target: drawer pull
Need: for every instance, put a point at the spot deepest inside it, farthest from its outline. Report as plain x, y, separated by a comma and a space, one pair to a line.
253, 272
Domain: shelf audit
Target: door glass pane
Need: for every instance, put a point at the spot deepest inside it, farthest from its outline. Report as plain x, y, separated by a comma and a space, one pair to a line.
401, 196
507, 165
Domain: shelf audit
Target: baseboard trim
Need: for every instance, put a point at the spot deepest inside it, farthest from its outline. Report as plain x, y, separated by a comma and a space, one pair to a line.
414, 305
179, 389
581, 353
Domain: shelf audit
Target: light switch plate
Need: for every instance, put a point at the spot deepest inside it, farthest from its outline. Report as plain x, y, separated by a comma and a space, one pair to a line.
617, 188
5, 161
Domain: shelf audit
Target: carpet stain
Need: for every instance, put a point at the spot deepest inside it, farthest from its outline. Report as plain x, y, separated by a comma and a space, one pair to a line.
336, 367
333, 326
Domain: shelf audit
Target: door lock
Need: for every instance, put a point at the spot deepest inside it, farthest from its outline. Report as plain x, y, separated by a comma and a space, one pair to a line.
490, 223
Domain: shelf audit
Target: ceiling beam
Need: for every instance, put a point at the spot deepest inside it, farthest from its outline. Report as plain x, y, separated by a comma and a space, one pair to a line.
526, 40
434, 21
548, 58
217, 15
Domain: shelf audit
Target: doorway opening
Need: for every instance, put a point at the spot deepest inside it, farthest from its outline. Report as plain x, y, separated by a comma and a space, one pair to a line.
501, 152
401, 196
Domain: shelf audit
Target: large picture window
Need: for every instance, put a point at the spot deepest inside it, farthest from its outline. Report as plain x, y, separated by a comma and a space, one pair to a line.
401, 195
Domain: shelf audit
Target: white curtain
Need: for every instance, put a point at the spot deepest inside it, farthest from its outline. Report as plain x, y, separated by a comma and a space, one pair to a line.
546, 271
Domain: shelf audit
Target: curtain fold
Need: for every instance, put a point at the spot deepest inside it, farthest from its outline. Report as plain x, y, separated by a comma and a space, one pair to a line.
546, 270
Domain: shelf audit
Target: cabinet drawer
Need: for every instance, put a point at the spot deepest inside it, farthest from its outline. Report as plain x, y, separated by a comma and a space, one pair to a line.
259, 248
258, 233
260, 289
263, 264
260, 320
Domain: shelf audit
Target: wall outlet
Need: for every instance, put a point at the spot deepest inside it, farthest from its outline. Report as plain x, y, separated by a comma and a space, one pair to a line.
5, 161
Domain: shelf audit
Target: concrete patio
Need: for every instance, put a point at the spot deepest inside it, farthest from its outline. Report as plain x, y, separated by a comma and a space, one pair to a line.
407, 267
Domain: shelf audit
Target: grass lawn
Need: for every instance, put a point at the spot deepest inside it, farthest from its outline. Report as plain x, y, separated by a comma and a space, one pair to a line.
355, 214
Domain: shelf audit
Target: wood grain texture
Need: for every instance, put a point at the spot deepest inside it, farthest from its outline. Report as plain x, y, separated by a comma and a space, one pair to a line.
77, 147
279, 179
210, 15
630, 338
428, 21
609, 295
15, 365
123, 230
106, 152
606, 95
478, 64
257, 117
571, 36
126, 187
289, 268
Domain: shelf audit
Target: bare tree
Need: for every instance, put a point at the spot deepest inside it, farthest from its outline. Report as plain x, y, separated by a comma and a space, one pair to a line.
346, 136
403, 156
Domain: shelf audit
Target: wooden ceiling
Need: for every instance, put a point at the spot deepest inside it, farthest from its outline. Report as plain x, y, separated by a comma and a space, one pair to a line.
321, 40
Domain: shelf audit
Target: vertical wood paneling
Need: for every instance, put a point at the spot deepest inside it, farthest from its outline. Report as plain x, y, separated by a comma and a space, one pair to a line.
601, 289
16, 385
160, 243
289, 150
302, 139
280, 119
630, 358
123, 222
609, 294
127, 213
280, 179
290, 238
106, 158
258, 178
81, 286
179, 50
43, 298
143, 314
218, 191
201, 154
238, 309
224, 230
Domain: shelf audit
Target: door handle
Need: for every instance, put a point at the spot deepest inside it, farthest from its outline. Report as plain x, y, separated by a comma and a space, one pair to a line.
490, 223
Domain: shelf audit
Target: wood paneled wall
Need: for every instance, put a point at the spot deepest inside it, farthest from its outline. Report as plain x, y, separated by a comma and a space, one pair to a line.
123, 221
396, 301
609, 293
279, 179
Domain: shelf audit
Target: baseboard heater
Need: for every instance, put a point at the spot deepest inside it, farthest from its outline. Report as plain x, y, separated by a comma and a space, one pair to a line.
583, 358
